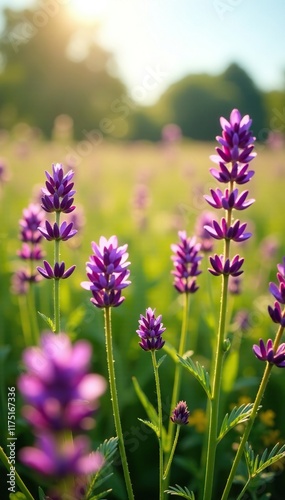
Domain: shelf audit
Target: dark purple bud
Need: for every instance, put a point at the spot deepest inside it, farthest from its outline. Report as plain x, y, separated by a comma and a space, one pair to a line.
180, 414
57, 272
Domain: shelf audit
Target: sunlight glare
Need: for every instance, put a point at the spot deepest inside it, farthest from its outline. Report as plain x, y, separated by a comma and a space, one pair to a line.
88, 10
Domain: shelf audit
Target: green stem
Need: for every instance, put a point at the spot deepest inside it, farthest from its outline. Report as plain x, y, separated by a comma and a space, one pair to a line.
214, 402
115, 402
56, 290
172, 452
159, 411
258, 398
178, 371
18, 479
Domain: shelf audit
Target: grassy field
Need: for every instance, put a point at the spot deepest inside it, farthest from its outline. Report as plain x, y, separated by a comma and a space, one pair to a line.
172, 181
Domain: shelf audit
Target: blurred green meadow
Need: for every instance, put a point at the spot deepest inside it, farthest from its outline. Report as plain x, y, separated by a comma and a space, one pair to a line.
173, 179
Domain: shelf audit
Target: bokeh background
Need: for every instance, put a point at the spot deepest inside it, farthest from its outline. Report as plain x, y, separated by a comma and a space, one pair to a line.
128, 93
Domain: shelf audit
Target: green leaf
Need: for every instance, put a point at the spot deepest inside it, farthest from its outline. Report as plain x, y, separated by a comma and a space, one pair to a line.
231, 369
160, 361
17, 496
150, 410
199, 372
101, 495
256, 465
180, 492
48, 321
108, 449
41, 494
237, 415
151, 425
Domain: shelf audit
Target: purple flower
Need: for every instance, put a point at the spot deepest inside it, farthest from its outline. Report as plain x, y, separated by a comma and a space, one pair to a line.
238, 174
186, 260
171, 133
64, 232
150, 331
229, 267
278, 292
21, 280
266, 353
32, 219
33, 252
223, 231
57, 389
58, 193
229, 199
180, 414
57, 272
236, 141
276, 314
52, 458
107, 272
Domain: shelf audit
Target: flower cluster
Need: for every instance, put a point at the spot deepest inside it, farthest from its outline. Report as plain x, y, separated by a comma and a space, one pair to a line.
180, 414
57, 197
150, 331
108, 272
58, 193
267, 353
186, 260
60, 398
234, 155
31, 250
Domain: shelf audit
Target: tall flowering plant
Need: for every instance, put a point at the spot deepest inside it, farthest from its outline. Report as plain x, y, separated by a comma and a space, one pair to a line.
60, 395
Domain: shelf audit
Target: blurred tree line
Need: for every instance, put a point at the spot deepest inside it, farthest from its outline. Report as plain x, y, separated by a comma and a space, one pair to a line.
50, 65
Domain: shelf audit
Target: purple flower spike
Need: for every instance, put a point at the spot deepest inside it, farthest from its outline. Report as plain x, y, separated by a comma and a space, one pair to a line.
63, 233
150, 331
186, 263
107, 272
69, 459
57, 272
222, 231
180, 414
58, 390
58, 193
236, 141
32, 219
229, 199
266, 353
231, 268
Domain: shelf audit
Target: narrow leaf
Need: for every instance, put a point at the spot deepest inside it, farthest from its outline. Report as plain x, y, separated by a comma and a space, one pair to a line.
160, 361
149, 408
41, 494
181, 492
199, 372
151, 425
48, 321
108, 449
256, 465
237, 415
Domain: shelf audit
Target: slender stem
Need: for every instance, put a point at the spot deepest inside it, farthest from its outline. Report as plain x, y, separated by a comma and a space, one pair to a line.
214, 402
25, 320
172, 452
159, 411
258, 398
178, 371
115, 402
57, 282
32, 311
18, 479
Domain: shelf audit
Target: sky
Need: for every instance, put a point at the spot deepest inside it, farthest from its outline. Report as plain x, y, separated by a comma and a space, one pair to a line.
157, 42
